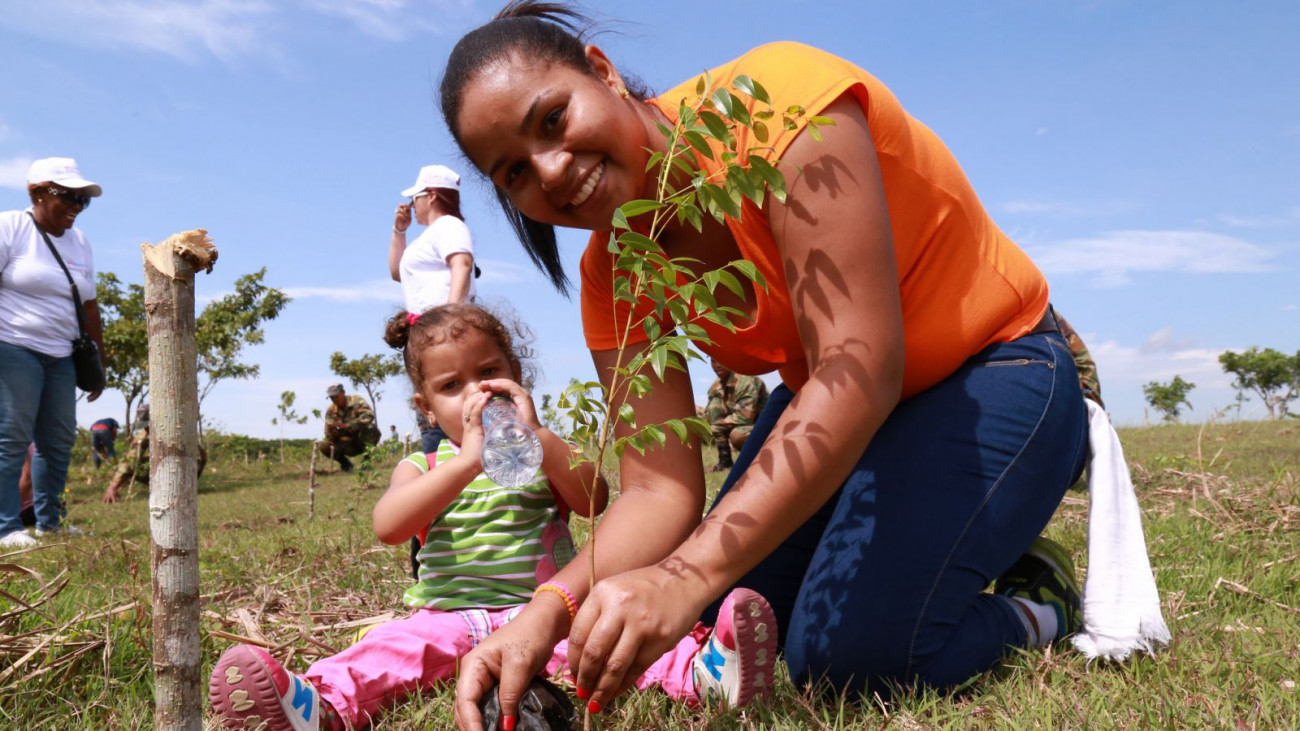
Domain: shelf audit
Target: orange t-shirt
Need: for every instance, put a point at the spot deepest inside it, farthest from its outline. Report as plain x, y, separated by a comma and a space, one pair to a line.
964, 285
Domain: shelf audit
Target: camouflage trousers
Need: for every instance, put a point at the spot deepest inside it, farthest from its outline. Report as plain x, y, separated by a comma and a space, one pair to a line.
727, 437
130, 471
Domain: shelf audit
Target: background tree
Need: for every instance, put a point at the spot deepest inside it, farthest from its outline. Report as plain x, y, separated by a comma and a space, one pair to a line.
367, 373
288, 416
1167, 398
229, 324
126, 339
1270, 374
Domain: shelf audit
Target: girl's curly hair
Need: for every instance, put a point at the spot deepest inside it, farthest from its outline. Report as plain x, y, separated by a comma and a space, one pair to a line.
412, 335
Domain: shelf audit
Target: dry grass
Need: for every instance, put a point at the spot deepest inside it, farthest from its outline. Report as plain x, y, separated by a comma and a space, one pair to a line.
1221, 506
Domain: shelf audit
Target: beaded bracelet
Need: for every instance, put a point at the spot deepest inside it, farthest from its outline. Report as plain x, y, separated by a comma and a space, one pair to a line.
564, 593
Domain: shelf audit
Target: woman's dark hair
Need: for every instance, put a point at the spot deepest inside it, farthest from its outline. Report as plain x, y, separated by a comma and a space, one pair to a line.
446, 201
538, 31
450, 323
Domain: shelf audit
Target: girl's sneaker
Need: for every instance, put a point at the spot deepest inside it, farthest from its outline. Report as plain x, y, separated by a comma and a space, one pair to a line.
735, 665
250, 689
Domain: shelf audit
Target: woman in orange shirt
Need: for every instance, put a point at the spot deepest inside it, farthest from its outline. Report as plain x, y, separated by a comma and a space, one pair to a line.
930, 417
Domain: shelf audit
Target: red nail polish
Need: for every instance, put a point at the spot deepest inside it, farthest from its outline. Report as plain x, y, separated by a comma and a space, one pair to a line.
582, 693
593, 707
507, 723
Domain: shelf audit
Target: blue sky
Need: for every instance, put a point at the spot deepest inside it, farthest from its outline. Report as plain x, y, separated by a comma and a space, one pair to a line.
1147, 155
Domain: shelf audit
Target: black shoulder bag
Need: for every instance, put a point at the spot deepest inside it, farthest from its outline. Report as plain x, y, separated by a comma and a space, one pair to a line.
85, 352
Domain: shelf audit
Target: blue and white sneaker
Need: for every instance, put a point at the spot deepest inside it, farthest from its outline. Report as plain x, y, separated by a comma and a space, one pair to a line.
249, 689
736, 663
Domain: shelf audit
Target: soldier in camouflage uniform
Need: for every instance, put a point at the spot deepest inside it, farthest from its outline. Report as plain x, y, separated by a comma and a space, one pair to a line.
734, 403
349, 427
134, 467
1083, 361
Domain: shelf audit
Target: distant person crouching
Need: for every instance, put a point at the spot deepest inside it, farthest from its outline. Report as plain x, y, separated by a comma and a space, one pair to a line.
349, 427
103, 435
134, 469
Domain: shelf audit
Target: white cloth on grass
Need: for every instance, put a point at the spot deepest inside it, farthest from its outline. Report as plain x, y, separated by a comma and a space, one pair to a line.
1121, 606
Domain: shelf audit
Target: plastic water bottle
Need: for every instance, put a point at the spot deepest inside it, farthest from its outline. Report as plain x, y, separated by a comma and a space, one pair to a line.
512, 453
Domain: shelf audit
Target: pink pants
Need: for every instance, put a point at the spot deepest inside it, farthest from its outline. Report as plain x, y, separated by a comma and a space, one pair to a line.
425, 648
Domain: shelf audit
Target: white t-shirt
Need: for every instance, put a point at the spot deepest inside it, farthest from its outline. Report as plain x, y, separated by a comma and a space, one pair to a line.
36, 310
426, 277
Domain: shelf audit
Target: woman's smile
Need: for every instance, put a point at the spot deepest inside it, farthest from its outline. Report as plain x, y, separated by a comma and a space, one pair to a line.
588, 185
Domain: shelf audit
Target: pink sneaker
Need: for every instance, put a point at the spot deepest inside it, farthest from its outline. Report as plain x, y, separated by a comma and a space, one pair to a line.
735, 665
249, 689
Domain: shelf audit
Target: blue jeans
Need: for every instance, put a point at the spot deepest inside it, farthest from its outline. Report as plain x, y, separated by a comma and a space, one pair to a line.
883, 586
38, 403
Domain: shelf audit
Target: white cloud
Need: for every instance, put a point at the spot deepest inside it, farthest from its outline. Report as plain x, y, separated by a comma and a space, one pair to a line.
1113, 257
1041, 131
502, 271
375, 290
1124, 369
1163, 341
1289, 308
13, 172
1085, 209
226, 29
1286, 218
188, 30
390, 20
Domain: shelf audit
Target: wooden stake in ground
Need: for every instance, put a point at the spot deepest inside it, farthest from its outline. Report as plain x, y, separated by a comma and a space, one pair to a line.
311, 485
169, 271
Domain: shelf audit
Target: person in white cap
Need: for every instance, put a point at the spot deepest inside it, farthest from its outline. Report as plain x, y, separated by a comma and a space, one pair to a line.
438, 267
38, 322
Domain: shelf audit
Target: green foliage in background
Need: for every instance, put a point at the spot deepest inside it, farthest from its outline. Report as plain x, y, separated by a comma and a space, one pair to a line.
222, 330
1168, 398
287, 415
126, 339
230, 324
1272, 375
367, 373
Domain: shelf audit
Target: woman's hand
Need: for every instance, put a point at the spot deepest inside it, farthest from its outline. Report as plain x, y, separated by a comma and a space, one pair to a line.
629, 621
513, 655
402, 220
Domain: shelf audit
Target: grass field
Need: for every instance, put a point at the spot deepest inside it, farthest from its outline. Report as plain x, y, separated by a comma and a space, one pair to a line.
1222, 517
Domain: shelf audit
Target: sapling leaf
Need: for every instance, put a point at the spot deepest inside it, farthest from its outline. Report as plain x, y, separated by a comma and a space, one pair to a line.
717, 127
635, 208
698, 143
679, 429
627, 415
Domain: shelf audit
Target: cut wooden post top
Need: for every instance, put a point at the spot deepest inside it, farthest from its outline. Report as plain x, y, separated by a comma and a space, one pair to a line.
193, 246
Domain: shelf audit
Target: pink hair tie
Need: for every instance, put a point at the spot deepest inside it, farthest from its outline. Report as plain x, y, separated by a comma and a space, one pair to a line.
412, 318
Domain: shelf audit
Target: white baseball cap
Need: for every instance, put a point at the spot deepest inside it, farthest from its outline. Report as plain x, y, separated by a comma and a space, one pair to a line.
62, 171
433, 176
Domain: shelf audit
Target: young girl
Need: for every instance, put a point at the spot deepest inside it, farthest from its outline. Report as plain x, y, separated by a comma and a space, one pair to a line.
488, 551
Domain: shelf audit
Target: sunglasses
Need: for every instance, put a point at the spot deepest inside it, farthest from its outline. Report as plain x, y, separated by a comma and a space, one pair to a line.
71, 197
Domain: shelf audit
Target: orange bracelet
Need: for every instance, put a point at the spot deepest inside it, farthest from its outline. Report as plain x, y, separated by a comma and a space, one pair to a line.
565, 594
